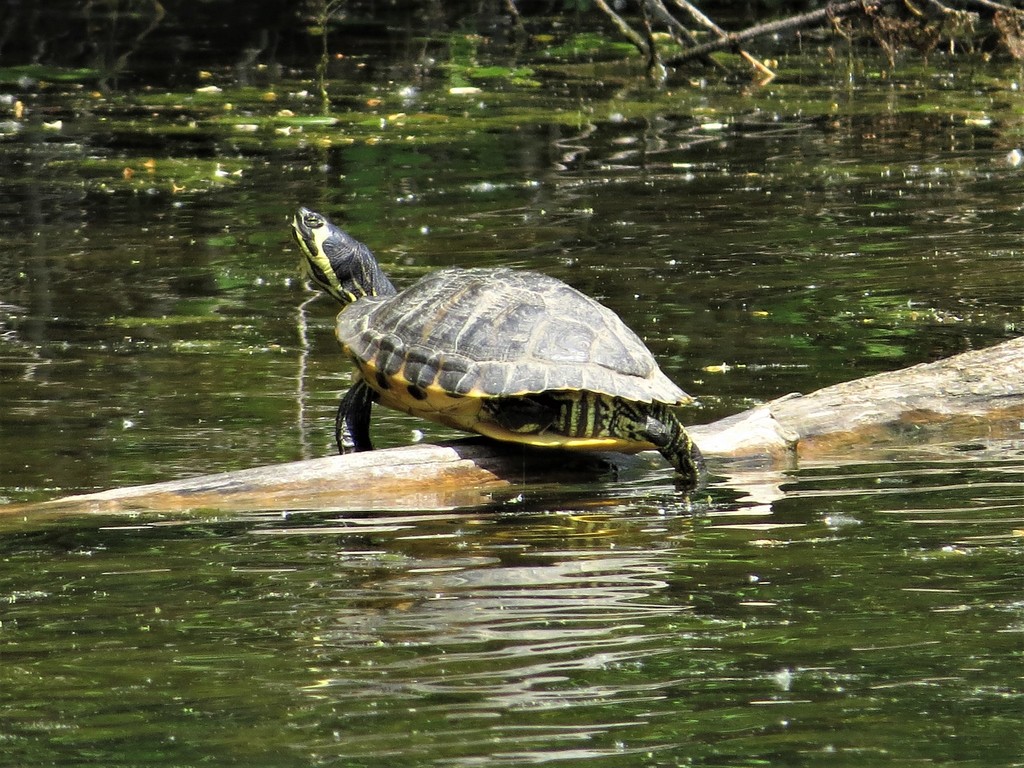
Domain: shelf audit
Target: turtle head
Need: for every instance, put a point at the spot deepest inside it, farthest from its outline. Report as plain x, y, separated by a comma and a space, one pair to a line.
337, 262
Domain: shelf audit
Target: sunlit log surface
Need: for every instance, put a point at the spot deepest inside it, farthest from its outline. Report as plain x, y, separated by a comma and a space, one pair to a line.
978, 393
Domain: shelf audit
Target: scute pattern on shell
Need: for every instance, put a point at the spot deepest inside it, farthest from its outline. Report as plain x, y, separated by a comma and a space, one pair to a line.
500, 332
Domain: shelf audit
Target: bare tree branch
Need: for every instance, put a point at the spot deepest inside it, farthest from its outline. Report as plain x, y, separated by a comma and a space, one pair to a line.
678, 31
627, 31
700, 18
733, 40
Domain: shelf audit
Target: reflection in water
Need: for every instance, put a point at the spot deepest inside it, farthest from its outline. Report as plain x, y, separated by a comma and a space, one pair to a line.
303, 427
869, 612
614, 636
465, 639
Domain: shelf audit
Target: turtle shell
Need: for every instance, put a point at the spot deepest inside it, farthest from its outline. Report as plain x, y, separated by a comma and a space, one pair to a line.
500, 333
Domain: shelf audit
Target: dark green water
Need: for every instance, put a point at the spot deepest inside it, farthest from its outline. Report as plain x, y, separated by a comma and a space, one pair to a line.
817, 230
869, 617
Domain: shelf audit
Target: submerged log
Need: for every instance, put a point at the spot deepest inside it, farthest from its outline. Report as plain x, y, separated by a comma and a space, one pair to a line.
982, 389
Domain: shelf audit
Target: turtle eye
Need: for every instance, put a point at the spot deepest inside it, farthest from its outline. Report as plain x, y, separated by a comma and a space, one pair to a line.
313, 220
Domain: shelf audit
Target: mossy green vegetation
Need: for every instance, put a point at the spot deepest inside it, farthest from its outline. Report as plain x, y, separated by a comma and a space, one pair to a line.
36, 75
585, 46
475, 92
173, 175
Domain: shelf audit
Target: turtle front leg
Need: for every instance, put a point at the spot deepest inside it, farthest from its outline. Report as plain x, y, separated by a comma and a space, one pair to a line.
352, 424
663, 429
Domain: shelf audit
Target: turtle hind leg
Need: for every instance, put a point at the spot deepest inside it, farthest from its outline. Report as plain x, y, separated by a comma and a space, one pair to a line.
531, 414
352, 423
663, 429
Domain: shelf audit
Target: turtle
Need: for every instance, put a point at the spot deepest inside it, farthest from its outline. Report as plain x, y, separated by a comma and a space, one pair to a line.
513, 355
